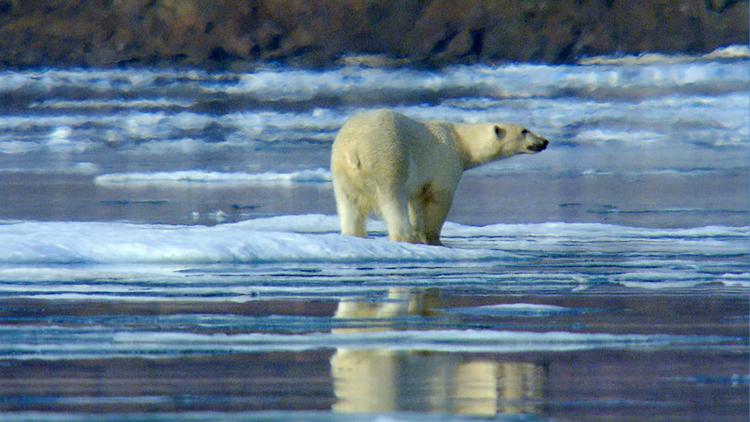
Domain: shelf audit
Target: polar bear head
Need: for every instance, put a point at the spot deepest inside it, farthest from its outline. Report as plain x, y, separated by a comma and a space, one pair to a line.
483, 143
516, 139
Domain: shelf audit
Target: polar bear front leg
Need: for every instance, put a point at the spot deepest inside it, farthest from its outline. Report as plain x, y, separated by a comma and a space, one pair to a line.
417, 219
435, 213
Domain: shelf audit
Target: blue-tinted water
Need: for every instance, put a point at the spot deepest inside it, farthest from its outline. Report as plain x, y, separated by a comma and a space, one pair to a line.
169, 248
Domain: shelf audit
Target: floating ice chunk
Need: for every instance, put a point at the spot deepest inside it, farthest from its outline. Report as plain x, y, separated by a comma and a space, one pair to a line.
102, 243
319, 175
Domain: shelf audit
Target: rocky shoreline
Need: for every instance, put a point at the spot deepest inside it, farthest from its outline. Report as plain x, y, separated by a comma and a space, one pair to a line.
238, 34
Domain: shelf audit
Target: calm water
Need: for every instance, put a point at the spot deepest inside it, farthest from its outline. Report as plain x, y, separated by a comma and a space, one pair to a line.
169, 248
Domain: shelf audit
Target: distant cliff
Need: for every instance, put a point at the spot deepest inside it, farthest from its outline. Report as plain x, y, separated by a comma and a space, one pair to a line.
242, 33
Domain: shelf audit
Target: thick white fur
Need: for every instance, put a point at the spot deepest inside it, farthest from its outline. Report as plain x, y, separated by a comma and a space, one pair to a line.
408, 170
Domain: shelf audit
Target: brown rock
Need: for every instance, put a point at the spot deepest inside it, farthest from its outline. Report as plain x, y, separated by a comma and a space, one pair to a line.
227, 33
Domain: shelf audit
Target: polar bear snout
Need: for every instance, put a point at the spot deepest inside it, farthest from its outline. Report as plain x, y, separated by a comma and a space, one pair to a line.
538, 145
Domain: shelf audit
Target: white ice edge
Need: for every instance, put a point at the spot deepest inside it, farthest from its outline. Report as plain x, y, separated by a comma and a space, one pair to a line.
314, 238
196, 177
721, 53
511, 80
102, 243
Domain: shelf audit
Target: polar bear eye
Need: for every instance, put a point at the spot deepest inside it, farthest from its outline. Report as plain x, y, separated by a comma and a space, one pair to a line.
499, 132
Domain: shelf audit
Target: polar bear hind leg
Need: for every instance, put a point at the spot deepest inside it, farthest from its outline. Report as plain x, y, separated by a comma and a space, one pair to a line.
351, 207
394, 209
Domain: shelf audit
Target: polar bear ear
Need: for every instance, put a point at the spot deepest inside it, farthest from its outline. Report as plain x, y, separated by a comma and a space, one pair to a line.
499, 132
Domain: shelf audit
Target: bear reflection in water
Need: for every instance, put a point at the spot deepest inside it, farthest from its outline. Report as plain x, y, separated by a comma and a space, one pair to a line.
381, 381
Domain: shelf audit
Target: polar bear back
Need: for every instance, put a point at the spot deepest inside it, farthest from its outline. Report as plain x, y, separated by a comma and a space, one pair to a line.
392, 148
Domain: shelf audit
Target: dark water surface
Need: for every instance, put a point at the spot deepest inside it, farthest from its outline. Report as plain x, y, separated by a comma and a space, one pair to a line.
677, 356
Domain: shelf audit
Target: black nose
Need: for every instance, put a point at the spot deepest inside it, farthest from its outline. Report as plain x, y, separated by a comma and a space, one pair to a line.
540, 146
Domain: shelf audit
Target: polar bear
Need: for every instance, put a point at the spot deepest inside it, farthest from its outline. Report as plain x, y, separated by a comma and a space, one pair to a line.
408, 170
